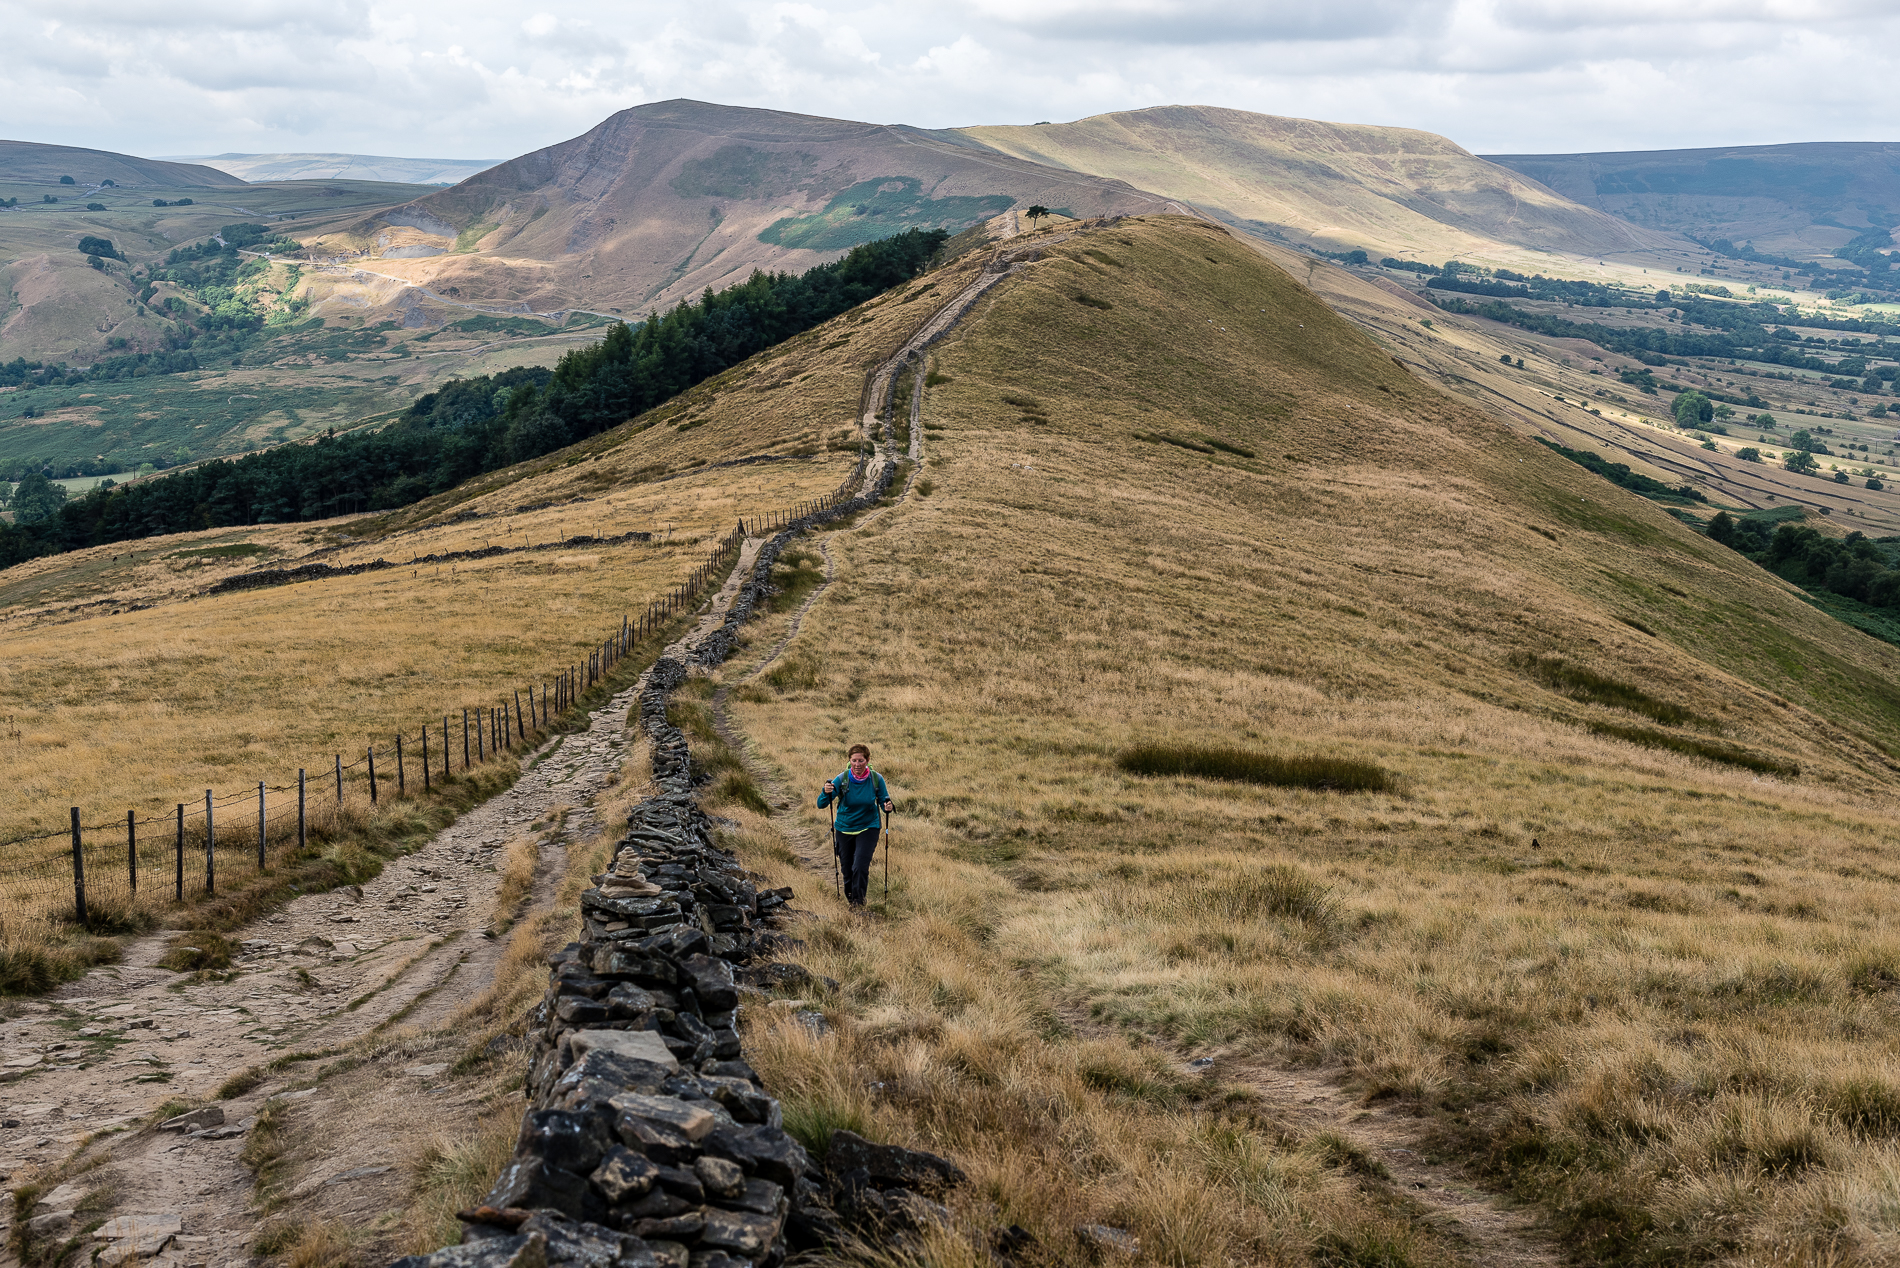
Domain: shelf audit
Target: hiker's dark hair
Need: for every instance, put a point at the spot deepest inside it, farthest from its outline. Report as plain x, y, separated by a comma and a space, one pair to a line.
859, 748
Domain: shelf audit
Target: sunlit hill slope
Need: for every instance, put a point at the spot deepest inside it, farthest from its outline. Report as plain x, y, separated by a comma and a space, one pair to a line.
662, 200
1336, 186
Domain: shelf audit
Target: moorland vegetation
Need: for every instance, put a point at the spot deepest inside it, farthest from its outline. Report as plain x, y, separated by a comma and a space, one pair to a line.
1607, 962
1606, 916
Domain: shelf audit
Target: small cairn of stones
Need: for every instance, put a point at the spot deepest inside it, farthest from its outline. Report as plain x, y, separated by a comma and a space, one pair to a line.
650, 1142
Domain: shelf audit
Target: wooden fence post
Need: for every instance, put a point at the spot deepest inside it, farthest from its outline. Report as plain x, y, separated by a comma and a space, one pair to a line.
211, 868
132, 850
481, 755
303, 837
371, 750
180, 895
425, 758
521, 736
260, 825
401, 779
445, 746
79, 872
339, 779
465, 739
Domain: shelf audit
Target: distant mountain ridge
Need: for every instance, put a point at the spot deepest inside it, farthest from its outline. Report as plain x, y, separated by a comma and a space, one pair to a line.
1337, 186
31, 161
1802, 199
663, 200
354, 167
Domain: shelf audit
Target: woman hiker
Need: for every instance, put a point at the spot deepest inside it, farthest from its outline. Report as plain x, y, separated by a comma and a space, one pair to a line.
860, 792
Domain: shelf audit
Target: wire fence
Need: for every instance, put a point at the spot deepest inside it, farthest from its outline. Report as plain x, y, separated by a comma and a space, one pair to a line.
99, 868
95, 872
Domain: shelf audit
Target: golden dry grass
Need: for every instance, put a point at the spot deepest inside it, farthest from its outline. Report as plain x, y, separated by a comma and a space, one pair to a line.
126, 686
454, 1172
145, 709
1668, 1023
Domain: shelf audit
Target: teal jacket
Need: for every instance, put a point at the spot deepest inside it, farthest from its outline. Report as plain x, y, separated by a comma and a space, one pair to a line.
858, 800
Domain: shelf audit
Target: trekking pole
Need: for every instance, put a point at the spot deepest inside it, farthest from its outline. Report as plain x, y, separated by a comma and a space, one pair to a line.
887, 859
837, 884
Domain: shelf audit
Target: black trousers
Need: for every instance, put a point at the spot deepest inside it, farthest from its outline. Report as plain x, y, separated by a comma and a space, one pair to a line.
854, 851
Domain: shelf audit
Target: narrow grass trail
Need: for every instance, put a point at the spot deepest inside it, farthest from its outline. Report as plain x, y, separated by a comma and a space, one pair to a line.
817, 855
1492, 1233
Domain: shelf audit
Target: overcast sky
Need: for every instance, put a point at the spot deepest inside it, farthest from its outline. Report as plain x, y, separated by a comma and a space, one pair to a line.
475, 79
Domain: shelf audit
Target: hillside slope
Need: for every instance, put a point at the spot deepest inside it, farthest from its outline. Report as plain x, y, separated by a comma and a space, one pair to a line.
1798, 200
663, 200
1612, 932
1391, 191
31, 161
1589, 942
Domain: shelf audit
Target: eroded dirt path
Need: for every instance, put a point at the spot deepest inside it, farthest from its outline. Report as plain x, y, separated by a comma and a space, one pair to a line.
408, 949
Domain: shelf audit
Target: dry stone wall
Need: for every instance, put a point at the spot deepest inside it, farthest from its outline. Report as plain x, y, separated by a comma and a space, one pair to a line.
650, 1142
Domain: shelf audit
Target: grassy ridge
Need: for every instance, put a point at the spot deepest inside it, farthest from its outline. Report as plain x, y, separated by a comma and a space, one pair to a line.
1637, 986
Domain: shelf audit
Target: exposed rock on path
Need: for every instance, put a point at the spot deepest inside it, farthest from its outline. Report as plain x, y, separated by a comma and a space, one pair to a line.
410, 948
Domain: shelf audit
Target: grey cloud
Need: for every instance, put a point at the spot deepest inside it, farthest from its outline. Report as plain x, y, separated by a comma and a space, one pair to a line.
1631, 15
1214, 22
477, 78
334, 17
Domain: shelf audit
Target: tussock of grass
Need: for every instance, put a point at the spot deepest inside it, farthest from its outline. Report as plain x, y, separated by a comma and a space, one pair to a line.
277, 1237
32, 963
241, 1082
519, 857
453, 1173
198, 951
798, 572
1335, 774
798, 669
1580, 683
115, 914
322, 1245
1243, 897
1179, 442
1712, 750
264, 1148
